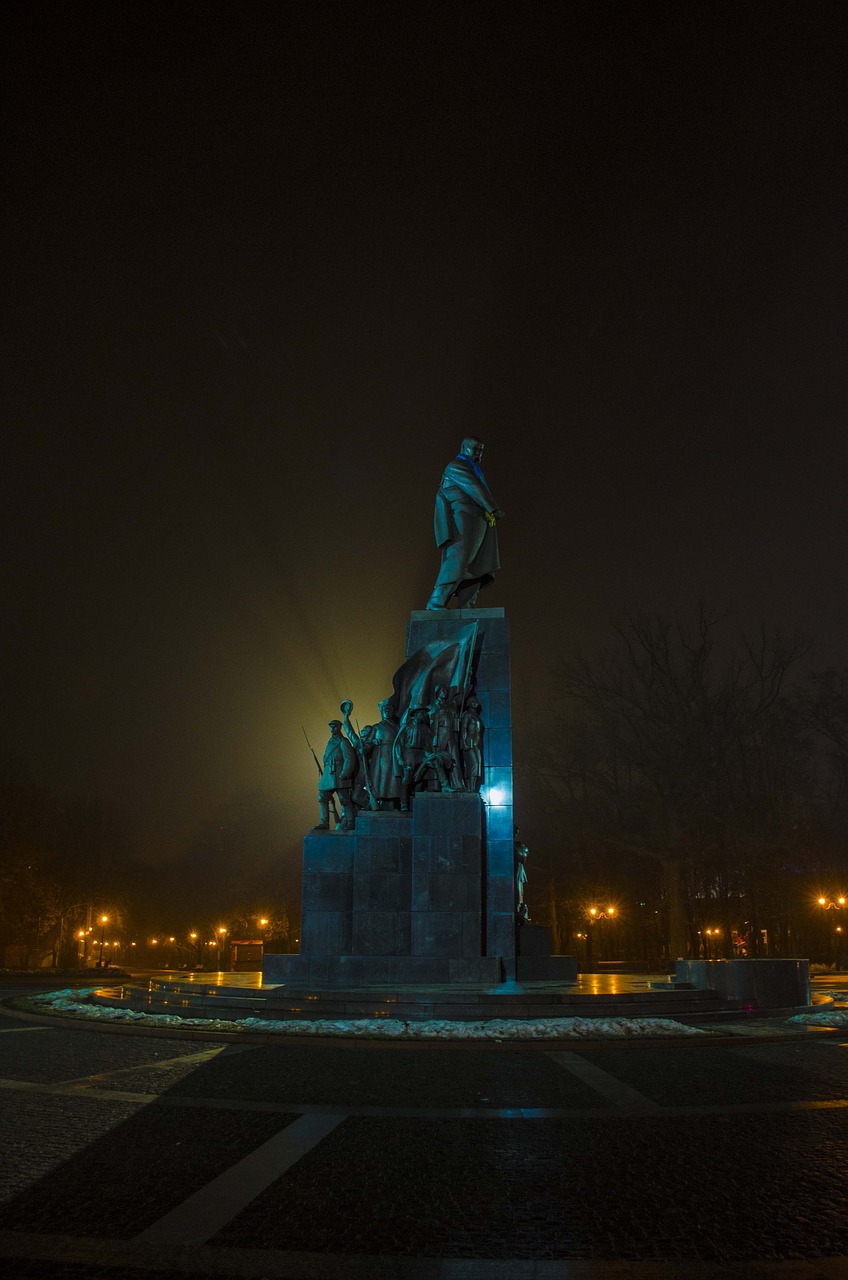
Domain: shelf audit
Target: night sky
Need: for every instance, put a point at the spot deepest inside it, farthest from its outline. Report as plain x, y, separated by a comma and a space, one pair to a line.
267, 264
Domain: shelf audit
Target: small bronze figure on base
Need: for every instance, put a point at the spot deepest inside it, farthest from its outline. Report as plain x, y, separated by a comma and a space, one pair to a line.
521, 852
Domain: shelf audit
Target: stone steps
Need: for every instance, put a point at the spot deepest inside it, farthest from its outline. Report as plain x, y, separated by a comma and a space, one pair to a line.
425, 1004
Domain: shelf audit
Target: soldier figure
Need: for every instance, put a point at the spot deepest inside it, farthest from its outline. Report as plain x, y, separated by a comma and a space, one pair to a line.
411, 746
338, 776
380, 755
444, 722
471, 741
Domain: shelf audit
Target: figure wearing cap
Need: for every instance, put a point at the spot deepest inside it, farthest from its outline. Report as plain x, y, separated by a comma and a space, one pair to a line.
338, 775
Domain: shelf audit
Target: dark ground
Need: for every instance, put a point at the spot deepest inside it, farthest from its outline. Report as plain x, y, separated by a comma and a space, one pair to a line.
668, 1160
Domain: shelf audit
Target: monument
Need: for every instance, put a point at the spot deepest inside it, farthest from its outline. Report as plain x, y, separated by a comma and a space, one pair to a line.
417, 882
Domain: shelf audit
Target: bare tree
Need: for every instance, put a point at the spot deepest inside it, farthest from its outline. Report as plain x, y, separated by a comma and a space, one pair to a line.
669, 746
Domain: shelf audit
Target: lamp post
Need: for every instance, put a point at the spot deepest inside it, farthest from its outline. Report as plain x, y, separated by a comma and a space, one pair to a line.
222, 934
834, 904
104, 920
595, 916
712, 944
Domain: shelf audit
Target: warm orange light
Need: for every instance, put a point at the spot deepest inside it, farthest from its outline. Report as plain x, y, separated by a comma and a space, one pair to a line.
104, 919
610, 911
593, 911
222, 930
821, 902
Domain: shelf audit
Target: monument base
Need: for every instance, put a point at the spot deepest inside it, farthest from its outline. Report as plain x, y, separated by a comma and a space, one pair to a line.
399, 900
534, 962
380, 971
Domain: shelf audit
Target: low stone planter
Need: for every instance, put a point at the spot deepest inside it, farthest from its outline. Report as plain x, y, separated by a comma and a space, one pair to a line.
751, 984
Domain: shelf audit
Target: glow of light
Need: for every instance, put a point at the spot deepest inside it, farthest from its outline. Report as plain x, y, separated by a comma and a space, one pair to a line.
494, 795
821, 902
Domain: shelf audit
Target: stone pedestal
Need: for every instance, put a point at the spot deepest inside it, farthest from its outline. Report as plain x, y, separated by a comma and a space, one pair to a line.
399, 900
426, 897
534, 962
491, 664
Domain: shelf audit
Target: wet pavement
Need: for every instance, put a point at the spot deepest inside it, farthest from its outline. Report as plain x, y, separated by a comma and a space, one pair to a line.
150, 1156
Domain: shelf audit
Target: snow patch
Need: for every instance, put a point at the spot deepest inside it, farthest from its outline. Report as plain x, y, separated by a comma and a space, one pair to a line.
832, 1018
73, 1002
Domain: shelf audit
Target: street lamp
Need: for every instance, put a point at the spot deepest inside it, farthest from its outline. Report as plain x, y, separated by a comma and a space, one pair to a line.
834, 904
595, 915
712, 936
104, 920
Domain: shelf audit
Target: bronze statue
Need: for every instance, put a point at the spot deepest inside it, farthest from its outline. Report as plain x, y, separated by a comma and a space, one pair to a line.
471, 742
377, 750
363, 795
440, 764
465, 525
411, 746
337, 776
383, 781
444, 722
521, 852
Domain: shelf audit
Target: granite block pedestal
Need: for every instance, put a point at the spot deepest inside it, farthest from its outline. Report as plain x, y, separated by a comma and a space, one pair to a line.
428, 896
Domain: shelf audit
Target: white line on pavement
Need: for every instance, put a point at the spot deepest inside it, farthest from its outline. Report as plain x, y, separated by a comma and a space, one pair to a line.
203, 1214
602, 1082
204, 1055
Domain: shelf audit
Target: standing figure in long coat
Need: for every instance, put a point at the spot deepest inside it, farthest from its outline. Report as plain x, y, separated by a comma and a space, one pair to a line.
465, 525
444, 722
338, 776
471, 741
380, 755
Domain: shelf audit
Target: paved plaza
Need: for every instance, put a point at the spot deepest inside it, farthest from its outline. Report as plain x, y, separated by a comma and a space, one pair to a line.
150, 1155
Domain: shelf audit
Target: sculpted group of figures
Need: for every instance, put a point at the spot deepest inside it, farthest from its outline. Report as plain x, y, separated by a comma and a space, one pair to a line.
437, 748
